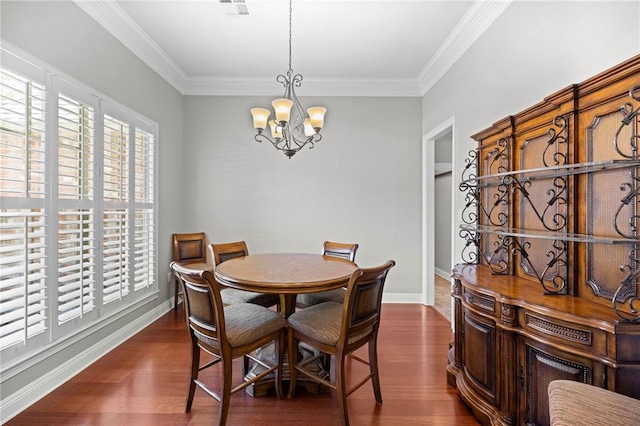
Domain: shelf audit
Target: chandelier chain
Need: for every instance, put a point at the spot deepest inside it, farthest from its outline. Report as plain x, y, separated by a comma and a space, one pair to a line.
290, 26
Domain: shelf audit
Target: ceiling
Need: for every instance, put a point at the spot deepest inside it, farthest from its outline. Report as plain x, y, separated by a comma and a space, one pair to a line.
351, 47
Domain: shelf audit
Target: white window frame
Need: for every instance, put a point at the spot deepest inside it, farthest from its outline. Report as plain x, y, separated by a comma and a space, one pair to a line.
57, 82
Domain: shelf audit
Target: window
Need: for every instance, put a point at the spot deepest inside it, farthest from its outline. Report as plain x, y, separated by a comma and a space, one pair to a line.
77, 206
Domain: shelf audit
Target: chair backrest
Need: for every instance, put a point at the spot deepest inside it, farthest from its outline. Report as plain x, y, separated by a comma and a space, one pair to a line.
189, 248
362, 303
203, 307
223, 252
345, 251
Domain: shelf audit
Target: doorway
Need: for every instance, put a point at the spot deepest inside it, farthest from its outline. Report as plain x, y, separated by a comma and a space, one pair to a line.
438, 190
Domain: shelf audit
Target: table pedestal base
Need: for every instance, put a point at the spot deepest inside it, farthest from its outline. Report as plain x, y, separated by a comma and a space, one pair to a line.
266, 354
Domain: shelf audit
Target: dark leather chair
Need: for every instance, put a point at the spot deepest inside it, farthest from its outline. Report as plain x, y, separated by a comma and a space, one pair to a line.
226, 333
187, 249
340, 329
342, 250
230, 296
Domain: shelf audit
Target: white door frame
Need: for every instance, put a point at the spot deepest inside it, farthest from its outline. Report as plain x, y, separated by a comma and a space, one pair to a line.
428, 199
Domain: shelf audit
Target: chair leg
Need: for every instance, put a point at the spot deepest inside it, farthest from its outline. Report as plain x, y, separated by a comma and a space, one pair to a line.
280, 347
225, 395
177, 290
245, 365
373, 367
195, 368
293, 359
326, 362
341, 388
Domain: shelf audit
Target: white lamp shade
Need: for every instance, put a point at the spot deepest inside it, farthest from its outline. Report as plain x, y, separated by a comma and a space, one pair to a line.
316, 116
308, 128
260, 117
276, 130
282, 108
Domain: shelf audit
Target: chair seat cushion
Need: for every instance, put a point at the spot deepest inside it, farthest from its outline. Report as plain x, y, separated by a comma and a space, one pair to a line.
321, 322
247, 323
575, 403
310, 299
232, 296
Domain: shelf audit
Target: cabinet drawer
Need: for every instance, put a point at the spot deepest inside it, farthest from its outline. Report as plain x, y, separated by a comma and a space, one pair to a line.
482, 302
565, 333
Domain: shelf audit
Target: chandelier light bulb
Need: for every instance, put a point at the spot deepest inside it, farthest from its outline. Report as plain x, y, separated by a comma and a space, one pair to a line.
308, 128
276, 130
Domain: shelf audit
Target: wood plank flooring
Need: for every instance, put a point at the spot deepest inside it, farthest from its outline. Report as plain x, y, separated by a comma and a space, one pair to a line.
144, 382
442, 302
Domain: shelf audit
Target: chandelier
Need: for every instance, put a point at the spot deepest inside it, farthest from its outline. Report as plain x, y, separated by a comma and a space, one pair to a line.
292, 129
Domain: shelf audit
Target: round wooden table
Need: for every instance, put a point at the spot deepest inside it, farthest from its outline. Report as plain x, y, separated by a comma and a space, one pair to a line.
286, 274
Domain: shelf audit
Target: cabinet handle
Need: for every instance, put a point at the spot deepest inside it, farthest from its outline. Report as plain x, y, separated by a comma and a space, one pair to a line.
521, 378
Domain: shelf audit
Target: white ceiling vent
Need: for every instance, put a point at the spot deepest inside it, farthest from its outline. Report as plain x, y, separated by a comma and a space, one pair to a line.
235, 7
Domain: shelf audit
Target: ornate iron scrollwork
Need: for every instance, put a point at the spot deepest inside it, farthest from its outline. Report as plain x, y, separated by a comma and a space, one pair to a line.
555, 284
555, 154
500, 201
498, 160
497, 262
628, 285
471, 252
627, 292
557, 138
500, 156
629, 202
550, 220
629, 114
469, 186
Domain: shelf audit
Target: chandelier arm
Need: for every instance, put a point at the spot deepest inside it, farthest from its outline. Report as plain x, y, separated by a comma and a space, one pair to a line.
259, 136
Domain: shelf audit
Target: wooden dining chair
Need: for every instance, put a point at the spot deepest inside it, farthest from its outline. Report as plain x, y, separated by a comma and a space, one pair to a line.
340, 329
187, 249
226, 333
230, 296
329, 248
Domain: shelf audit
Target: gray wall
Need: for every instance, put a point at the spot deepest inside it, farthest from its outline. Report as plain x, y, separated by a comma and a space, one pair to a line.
62, 35
442, 206
532, 50
361, 183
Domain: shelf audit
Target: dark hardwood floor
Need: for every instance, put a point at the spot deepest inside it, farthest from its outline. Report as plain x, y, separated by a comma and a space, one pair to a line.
144, 382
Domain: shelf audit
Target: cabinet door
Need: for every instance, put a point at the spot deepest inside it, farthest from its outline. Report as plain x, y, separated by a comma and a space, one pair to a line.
538, 365
479, 355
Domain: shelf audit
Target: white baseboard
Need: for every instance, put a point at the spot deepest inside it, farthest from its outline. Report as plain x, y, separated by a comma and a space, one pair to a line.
402, 298
444, 274
19, 401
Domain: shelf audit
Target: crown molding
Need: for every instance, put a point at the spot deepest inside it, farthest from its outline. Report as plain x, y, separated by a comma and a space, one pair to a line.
117, 22
260, 86
473, 24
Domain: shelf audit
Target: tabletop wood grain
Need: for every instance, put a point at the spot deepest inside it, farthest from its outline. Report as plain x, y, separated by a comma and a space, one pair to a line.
285, 273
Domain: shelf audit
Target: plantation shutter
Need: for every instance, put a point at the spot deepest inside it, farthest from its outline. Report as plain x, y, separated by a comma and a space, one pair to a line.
144, 229
116, 221
23, 182
76, 217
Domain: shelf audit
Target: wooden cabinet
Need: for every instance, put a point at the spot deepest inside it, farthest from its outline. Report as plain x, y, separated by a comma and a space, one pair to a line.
551, 284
